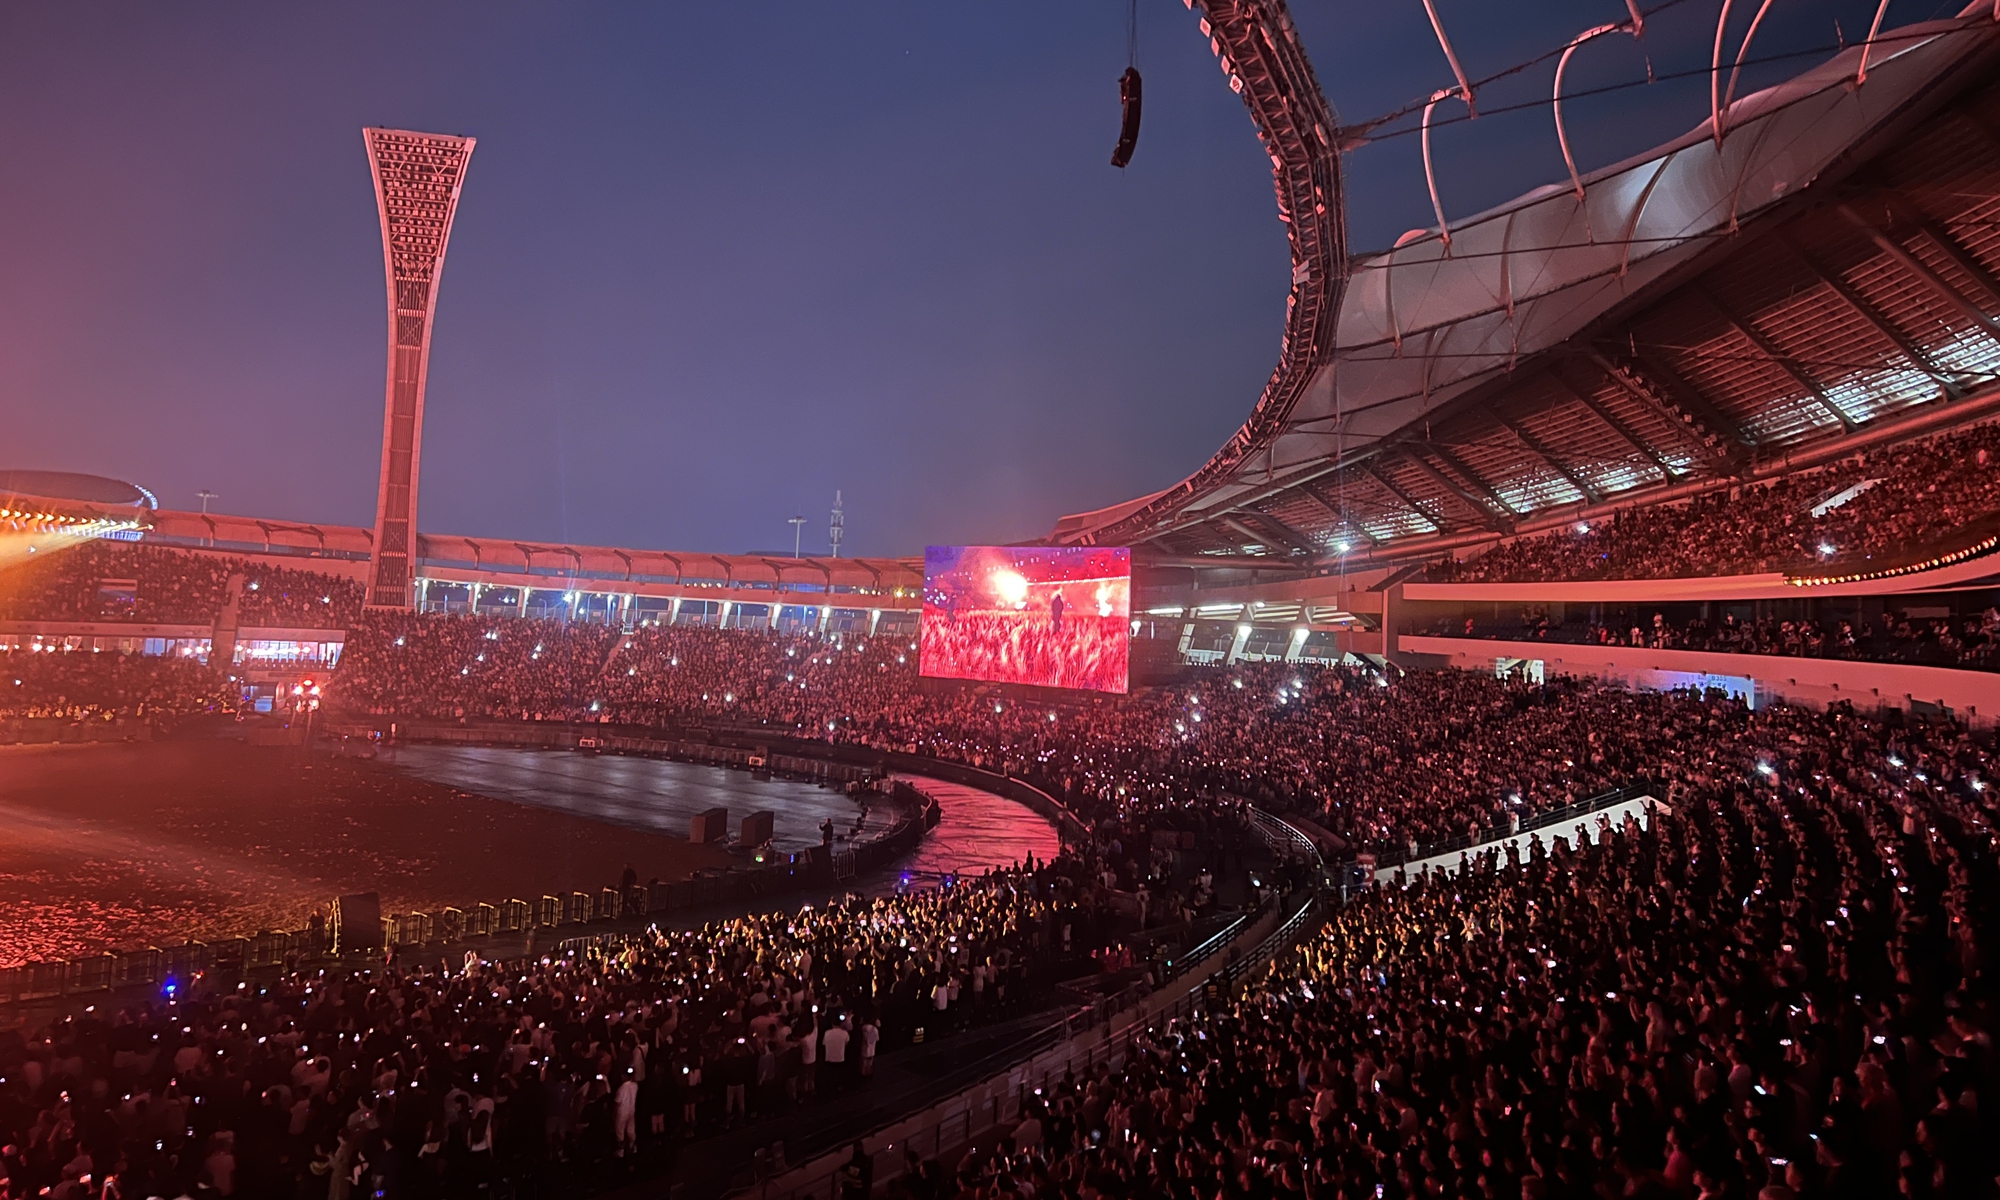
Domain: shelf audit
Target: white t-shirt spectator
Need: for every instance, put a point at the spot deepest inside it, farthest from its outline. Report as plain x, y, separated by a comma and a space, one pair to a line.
836, 1044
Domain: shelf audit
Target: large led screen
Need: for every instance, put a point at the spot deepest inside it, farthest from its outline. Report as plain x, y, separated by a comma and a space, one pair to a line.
1050, 616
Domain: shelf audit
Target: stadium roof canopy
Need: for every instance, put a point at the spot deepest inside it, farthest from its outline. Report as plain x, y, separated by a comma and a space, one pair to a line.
71, 487
1713, 308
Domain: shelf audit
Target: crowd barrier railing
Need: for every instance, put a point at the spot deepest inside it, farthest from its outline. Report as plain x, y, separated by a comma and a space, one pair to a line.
987, 1097
1564, 815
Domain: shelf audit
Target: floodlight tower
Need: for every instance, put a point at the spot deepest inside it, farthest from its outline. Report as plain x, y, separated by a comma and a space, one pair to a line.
417, 182
836, 530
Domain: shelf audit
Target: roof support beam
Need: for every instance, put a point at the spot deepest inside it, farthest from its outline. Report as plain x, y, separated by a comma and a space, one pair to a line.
1610, 421
1285, 533
1480, 483
1778, 357
1938, 234
1682, 404
1879, 320
1437, 524
1962, 258
1535, 447
1312, 491
1487, 517
1938, 284
1253, 536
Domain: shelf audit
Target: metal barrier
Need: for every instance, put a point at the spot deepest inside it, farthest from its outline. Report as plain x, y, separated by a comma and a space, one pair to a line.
984, 1095
1540, 820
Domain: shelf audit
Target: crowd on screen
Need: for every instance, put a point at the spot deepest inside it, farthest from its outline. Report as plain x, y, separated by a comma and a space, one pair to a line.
1970, 642
430, 1079
102, 580
1916, 500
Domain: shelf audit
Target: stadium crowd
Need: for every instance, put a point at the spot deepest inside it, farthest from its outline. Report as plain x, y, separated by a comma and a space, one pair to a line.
1779, 991
419, 1080
1384, 763
102, 580
82, 686
1971, 642
1889, 507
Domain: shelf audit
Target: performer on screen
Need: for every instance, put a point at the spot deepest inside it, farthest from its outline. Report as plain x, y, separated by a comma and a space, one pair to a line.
1056, 607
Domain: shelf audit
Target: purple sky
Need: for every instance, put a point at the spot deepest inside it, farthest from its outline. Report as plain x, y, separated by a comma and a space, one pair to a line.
714, 262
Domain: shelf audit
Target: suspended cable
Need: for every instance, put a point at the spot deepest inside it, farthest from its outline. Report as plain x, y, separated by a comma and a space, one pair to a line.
1351, 137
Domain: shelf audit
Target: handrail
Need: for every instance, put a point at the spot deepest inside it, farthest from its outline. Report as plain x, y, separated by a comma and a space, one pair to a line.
1181, 991
1541, 820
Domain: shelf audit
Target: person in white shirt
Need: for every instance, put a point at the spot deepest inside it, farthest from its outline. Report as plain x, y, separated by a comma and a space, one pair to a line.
871, 1033
626, 1123
833, 1048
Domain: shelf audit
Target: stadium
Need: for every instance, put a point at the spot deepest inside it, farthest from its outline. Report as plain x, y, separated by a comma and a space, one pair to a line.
1547, 751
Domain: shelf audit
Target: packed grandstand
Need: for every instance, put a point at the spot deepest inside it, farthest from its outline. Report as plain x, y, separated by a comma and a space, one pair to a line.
1675, 925
1778, 981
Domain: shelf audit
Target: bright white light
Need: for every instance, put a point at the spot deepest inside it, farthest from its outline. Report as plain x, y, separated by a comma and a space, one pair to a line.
1826, 549
1583, 527
1343, 547
1764, 768
1010, 588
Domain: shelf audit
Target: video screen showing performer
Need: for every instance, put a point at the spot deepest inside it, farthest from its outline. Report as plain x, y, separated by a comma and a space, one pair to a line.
1050, 616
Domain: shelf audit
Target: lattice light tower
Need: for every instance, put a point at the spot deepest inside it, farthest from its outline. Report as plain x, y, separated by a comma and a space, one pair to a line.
417, 181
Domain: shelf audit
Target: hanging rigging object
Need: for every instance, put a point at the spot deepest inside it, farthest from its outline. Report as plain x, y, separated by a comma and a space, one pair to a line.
1128, 131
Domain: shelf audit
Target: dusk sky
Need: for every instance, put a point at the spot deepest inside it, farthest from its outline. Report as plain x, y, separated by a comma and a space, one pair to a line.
714, 262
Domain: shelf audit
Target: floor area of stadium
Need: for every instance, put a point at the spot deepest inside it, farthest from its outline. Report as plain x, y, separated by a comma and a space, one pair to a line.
654, 795
122, 846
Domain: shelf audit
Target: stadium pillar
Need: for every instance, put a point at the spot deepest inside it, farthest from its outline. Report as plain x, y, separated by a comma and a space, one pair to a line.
473, 597
874, 619
674, 611
825, 615
1297, 643
1392, 599
521, 594
775, 610
722, 616
418, 177
1237, 643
